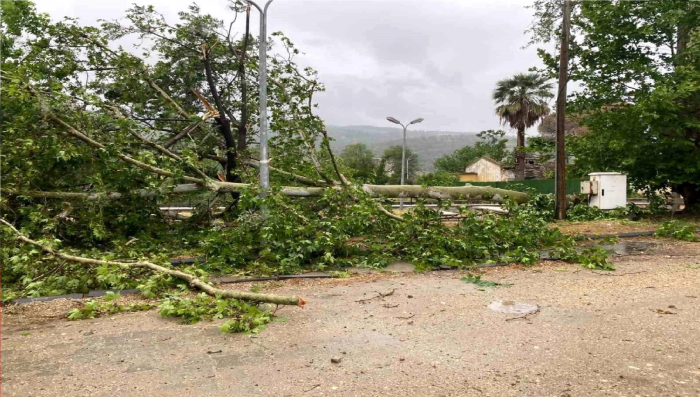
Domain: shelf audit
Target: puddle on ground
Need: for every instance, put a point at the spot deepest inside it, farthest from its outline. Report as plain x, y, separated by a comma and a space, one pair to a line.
626, 247
510, 307
619, 248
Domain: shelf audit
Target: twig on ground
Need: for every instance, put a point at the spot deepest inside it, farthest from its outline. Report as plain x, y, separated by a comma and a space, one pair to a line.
380, 296
621, 274
406, 317
313, 387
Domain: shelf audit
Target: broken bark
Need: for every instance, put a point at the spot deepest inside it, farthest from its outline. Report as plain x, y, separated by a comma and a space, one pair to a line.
192, 280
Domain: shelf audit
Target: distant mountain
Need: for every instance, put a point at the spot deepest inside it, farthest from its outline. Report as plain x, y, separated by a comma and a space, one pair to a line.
429, 145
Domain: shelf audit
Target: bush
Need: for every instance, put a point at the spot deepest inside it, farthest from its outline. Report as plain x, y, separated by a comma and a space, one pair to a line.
108, 305
678, 230
439, 178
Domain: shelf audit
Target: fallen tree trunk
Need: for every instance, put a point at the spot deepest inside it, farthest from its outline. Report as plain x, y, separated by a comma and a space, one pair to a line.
472, 193
192, 280
476, 193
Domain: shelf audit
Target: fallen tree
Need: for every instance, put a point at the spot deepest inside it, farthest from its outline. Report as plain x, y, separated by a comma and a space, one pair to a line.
91, 163
474, 193
190, 279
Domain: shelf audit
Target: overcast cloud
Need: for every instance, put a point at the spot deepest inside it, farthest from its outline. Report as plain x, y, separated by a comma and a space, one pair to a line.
436, 59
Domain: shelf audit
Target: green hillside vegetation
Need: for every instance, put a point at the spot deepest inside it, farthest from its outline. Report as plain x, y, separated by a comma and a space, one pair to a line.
428, 145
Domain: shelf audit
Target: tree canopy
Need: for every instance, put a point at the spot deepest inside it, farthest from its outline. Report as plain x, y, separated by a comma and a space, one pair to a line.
638, 67
392, 159
492, 144
521, 101
548, 127
136, 124
361, 160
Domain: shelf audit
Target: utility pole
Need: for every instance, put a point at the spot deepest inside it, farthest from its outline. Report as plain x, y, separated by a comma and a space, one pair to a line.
560, 171
262, 71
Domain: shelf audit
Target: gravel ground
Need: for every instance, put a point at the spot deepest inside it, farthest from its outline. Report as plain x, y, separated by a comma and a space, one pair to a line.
605, 227
633, 332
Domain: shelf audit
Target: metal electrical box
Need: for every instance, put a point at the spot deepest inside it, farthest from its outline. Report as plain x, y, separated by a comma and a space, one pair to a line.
589, 187
606, 190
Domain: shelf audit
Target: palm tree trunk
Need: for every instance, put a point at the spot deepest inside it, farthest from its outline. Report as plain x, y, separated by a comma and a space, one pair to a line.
521, 137
520, 156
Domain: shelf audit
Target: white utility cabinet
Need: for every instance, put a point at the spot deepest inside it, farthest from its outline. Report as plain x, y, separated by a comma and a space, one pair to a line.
606, 190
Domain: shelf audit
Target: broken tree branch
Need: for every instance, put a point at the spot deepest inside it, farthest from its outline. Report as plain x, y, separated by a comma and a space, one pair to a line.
346, 184
186, 131
299, 178
314, 159
327, 145
160, 148
192, 280
83, 137
380, 296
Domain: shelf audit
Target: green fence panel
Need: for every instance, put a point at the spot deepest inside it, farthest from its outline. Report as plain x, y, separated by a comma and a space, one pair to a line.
545, 186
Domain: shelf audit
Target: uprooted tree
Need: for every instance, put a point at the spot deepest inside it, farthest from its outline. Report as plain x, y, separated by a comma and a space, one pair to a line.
97, 138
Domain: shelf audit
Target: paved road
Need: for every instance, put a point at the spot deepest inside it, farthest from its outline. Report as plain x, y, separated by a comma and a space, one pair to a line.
595, 335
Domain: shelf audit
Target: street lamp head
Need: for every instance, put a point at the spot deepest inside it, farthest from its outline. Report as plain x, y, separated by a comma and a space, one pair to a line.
393, 120
416, 121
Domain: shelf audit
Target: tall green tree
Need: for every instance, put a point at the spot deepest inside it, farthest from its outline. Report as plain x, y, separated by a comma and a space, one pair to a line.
638, 65
360, 159
521, 101
95, 117
548, 127
492, 144
392, 159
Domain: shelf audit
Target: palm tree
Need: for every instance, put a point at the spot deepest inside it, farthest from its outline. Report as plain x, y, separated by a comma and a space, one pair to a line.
522, 101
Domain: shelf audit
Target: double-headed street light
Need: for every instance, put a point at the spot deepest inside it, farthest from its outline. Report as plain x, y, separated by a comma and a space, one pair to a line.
404, 166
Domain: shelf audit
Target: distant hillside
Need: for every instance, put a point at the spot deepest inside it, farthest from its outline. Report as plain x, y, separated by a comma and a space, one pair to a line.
429, 145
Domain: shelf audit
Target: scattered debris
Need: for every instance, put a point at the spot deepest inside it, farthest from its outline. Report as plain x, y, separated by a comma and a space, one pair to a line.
214, 352
312, 387
616, 275
336, 360
407, 317
476, 280
380, 296
661, 311
526, 316
510, 307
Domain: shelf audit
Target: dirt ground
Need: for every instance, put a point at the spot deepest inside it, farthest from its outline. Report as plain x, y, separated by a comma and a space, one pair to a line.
605, 227
633, 332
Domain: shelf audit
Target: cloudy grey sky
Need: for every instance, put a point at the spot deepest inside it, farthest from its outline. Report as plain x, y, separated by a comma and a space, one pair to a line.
436, 59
